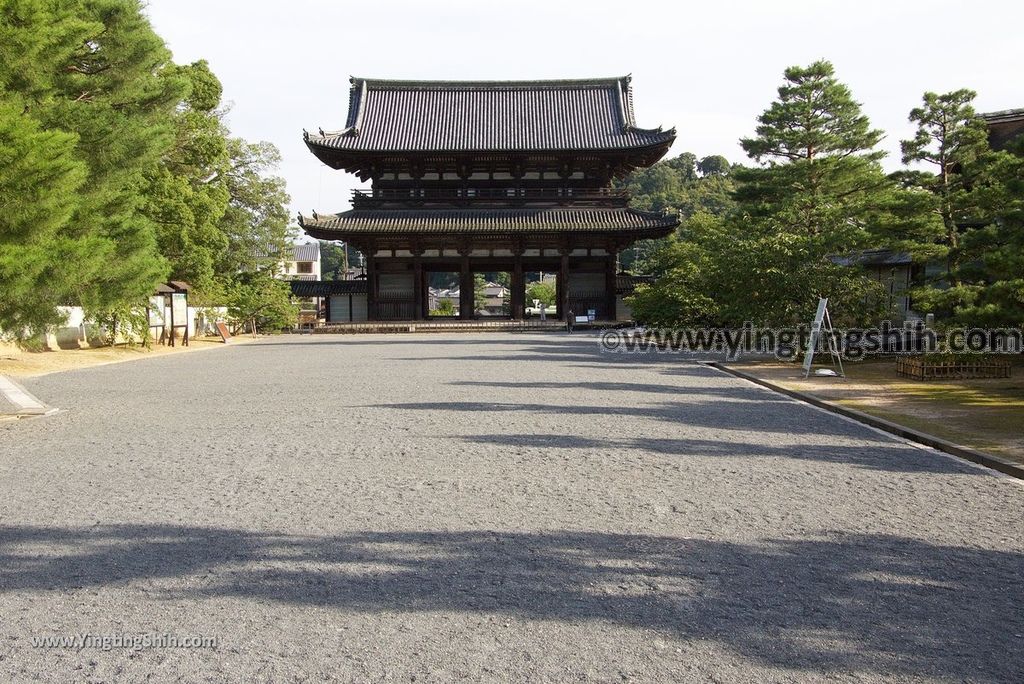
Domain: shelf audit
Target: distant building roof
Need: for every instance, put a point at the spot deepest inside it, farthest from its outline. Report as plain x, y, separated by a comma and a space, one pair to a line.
325, 288
306, 252
1003, 126
625, 283
475, 116
490, 221
300, 252
874, 257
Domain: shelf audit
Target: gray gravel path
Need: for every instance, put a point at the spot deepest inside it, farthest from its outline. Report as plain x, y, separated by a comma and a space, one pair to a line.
490, 508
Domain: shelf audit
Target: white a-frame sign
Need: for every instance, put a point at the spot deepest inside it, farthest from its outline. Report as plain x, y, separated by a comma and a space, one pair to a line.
822, 323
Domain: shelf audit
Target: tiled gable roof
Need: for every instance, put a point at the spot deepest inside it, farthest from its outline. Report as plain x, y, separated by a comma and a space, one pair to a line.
463, 116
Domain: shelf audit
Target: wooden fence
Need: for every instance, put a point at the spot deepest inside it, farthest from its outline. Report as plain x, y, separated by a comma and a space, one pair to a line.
953, 369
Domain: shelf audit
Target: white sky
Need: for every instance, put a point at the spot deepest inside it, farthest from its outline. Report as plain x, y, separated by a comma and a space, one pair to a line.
707, 68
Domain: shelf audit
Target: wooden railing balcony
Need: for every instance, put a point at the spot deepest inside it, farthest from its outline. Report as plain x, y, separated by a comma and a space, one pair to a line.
374, 197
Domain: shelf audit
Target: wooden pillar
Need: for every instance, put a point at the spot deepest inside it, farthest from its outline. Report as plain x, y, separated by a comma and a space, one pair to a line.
371, 284
518, 288
466, 299
419, 312
609, 287
563, 284
425, 293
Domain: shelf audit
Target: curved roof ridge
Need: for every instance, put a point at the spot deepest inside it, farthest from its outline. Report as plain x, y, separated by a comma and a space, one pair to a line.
471, 84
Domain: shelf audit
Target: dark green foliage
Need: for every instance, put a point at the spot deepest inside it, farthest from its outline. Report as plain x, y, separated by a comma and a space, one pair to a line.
715, 165
676, 185
117, 171
39, 176
544, 292
185, 196
766, 253
333, 259
479, 296
683, 293
92, 74
445, 307
969, 195
819, 193
1002, 257
260, 298
255, 223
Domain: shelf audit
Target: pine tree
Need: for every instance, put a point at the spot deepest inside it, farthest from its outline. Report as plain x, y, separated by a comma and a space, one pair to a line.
816, 196
39, 179
953, 142
95, 72
994, 264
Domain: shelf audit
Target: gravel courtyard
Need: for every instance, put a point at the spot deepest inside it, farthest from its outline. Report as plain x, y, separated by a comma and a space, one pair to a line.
435, 508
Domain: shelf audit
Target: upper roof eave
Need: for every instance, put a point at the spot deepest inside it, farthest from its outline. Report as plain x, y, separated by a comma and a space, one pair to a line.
378, 123
1003, 115
664, 138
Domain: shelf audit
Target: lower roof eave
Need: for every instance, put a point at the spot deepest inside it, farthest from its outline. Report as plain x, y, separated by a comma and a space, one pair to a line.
363, 236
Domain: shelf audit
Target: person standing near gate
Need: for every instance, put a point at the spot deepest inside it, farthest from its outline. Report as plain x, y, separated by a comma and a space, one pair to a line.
570, 318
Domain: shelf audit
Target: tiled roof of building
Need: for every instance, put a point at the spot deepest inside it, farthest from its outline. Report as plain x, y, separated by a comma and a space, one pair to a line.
874, 257
473, 116
496, 221
300, 252
625, 283
1004, 126
324, 288
306, 252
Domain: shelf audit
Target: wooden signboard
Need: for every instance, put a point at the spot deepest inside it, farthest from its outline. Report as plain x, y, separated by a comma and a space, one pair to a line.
223, 330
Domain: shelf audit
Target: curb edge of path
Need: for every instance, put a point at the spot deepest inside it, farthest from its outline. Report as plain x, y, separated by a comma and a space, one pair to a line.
973, 455
24, 401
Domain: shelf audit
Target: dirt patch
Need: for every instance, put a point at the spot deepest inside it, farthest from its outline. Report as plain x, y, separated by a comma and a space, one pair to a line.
981, 414
19, 363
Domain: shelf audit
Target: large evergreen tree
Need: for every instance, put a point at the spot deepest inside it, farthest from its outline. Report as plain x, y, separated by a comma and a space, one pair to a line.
39, 179
117, 169
999, 247
961, 187
818, 194
88, 79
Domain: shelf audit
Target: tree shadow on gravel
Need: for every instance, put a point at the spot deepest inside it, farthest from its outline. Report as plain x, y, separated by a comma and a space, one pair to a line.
738, 392
892, 456
877, 605
754, 413
436, 339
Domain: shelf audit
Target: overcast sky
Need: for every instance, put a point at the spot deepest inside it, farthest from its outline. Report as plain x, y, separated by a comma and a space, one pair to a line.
707, 68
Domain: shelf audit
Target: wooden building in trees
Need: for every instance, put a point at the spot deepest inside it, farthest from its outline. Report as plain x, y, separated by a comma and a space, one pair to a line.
1004, 127
488, 176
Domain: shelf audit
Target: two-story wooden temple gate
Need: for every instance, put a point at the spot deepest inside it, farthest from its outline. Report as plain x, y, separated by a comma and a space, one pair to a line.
471, 177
